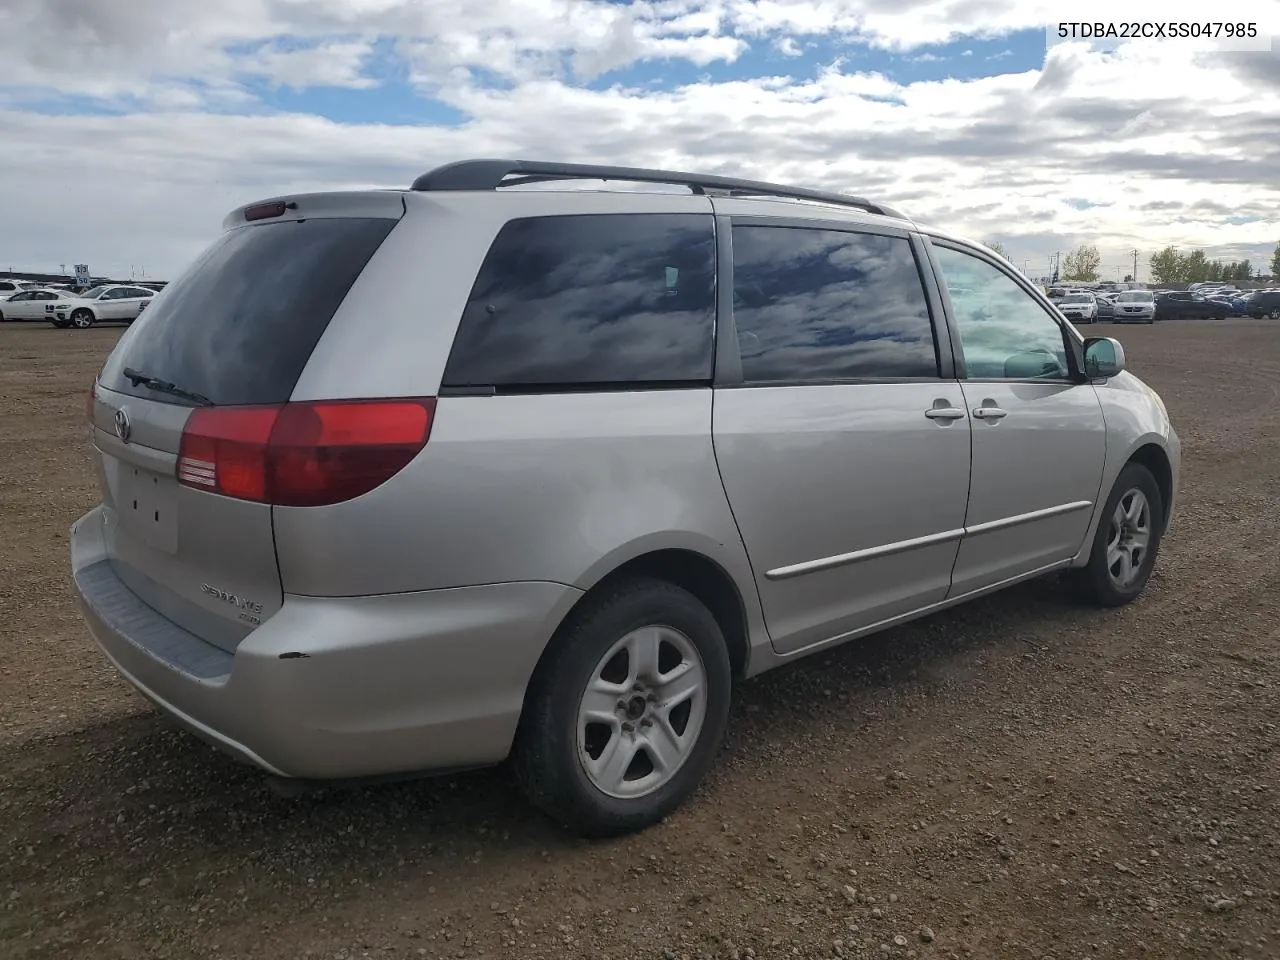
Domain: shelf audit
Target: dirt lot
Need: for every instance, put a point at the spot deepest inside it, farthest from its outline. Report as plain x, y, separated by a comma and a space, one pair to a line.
1018, 778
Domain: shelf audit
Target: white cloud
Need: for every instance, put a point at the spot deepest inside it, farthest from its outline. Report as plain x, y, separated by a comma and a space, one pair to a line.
1171, 145
335, 64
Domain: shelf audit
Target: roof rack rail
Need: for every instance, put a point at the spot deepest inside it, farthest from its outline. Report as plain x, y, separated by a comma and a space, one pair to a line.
492, 174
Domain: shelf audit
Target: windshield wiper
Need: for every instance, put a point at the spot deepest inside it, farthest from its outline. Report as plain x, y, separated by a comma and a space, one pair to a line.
164, 386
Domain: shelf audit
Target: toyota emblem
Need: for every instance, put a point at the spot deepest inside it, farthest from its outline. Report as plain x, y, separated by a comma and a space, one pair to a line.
123, 426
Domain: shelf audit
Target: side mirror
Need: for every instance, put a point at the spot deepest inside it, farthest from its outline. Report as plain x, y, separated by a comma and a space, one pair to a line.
1103, 358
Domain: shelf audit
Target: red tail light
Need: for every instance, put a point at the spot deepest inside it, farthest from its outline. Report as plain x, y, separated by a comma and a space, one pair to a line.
302, 454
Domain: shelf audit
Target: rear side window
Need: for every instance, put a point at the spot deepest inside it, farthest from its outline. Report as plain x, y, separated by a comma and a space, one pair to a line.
820, 305
586, 301
240, 324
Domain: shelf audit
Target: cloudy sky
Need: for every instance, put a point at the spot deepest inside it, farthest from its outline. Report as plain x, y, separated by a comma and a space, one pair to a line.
129, 127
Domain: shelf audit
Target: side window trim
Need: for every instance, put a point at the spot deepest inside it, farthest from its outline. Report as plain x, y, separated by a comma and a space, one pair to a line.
1071, 338
727, 369
728, 358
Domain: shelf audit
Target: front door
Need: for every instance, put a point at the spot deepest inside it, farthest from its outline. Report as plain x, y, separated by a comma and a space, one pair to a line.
112, 305
843, 451
1039, 439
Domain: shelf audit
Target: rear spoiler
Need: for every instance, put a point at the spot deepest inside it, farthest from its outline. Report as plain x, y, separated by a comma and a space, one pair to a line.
384, 204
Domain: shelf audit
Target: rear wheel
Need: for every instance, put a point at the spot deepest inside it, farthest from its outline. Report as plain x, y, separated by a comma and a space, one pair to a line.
82, 319
1126, 543
626, 711
1275, 313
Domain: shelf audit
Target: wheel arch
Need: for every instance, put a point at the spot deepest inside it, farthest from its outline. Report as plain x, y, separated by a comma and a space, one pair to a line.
705, 569
692, 570
1156, 459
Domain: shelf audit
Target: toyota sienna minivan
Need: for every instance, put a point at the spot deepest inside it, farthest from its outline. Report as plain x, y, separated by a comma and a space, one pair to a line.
405, 481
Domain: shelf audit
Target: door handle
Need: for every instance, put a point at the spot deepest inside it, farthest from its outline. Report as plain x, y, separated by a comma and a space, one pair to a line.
989, 413
944, 413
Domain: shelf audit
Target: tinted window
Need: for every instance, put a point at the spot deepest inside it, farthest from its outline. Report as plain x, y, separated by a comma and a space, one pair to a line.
597, 299
1004, 333
240, 324
818, 305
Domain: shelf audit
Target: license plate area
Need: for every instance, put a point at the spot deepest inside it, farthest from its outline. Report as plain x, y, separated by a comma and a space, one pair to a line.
146, 504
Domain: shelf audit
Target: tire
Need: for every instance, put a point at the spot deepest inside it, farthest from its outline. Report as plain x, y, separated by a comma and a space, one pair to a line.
1095, 582
82, 319
1274, 314
555, 743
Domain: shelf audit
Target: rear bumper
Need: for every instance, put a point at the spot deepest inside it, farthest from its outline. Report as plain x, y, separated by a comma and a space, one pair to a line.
335, 688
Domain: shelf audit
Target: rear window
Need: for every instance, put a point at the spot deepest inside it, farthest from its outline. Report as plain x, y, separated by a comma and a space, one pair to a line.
240, 324
590, 301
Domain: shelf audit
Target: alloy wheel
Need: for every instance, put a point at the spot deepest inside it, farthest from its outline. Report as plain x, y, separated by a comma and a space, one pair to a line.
1129, 538
641, 714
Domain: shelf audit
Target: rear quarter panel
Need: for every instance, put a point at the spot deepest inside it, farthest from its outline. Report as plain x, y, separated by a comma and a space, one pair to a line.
555, 487
562, 488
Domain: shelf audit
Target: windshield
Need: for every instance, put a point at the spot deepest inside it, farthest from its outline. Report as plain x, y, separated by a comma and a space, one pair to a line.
1076, 298
1136, 296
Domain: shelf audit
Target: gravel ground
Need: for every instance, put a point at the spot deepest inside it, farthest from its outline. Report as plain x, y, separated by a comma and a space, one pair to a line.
1016, 778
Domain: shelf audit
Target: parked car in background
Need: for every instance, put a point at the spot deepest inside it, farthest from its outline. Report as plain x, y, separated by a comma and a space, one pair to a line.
1185, 305
592, 464
1234, 304
1079, 307
1106, 306
1263, 303
1134, 306
29, 305
108, 303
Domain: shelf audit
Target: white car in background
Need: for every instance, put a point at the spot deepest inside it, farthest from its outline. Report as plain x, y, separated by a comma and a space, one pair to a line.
1135, 306
109, 303
9, 287
30, 304
1079, 307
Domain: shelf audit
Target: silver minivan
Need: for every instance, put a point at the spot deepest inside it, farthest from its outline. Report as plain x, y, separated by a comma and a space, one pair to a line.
396, 482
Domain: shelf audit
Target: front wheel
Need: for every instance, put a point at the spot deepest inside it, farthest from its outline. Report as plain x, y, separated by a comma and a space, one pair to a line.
82, 319
1126, 543
626, 711
1274, 314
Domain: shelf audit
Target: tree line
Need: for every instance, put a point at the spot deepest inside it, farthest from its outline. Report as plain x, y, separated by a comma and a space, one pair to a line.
1169, 265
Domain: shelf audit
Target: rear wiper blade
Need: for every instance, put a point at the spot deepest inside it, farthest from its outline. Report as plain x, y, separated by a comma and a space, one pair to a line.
164, 386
